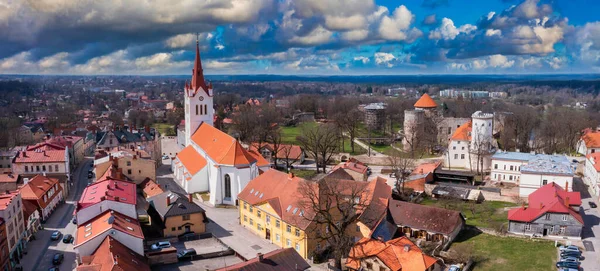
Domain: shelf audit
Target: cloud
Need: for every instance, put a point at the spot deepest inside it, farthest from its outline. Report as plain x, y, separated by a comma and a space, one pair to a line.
362, 59
384, 59
448, 31
430, 20
397, 26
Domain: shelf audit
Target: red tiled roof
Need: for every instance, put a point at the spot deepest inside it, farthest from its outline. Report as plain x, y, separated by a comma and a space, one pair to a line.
425, 168
111, 255
423, 217
6, 198
41, 156
397, 254
463, 133
151, 188
286, 151
37, 187
102, 223
45, 146
550, 198
425, 102
113, 190
191, 159
594, 158
9, 178
591, 139
260, 161
353, 165
221, 147
283, 259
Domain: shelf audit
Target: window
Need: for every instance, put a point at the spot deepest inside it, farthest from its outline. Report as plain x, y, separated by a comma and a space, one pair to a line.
268, 219
37, 168
44, 168
172, 228
288, 229
547, 216
381, 268
201, 112
251, 222
510, 177
562, 229
297, 232
250, 209
26, 168
128, 163
129, 171
544, 182
297, 247
185, 217
245, 206
56, 168
258, 227
50, 168
369, 266
456, 156
449, 130
245, 218
196, 110
205, 109
495, 166
565, 217
277, 237
357, 228
462, 156
228, 187
527, 227
462, 148
277, 223
258, 213
288, 242
454, 147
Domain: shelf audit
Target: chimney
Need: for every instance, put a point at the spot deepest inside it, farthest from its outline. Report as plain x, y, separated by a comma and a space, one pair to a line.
567, 186
259, 256
190, 198
168, 200
291, 175
567, 201
541, 205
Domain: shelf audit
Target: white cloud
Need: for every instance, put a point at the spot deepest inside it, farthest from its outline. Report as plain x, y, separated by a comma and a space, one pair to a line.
362, 59
556, 62
181, 40
397, 27
355, 35
448, 31
317, 36
500, 61
384, 59
493, 32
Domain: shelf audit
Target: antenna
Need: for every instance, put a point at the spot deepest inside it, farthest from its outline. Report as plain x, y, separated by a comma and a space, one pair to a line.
197, 37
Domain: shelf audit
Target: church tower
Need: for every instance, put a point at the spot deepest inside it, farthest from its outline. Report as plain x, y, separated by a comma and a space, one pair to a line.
198, 100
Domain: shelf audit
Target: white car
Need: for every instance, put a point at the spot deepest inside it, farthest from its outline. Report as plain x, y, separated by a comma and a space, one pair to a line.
569, 248
160, 245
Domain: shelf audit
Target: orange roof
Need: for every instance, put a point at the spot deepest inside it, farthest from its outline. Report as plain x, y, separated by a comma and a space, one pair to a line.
463, 133
37, 187
260, 161
111, 255
591, 139
426, 168
221, 147
191, 159
425, 102
103, 222
9, 177
353, 165
285, 151
40, 156
151, 188
6, 198
595, 159
397, 254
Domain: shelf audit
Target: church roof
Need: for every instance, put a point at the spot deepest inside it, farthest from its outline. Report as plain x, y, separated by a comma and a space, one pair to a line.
191, 159
425, 102
221, 147
197, 75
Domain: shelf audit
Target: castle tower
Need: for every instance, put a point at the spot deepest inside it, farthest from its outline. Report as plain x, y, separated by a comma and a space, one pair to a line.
481, 134
198, 100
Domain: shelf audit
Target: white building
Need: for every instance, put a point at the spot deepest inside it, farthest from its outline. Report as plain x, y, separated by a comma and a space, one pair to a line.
52, 163
592, 172
212, 161
11, 211
472, 145
118, 196
589, 142
506, 166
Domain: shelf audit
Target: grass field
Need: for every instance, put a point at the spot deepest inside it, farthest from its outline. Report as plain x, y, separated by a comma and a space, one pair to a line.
163, 128
291, 133
493, 253
304, 173
488, 214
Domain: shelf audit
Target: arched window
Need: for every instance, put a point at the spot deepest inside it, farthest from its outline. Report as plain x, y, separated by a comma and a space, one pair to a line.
227, 186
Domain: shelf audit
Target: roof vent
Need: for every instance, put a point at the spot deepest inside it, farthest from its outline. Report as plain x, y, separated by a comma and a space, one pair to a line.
111, 219
261, 195
406, 248
288, 208
295, 210
130, 228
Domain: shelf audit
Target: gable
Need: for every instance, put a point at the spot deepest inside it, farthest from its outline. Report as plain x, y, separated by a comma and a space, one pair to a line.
269, 209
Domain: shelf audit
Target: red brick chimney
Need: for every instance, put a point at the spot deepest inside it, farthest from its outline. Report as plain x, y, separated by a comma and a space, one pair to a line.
190, 198
168, 200
567, 186
567, 201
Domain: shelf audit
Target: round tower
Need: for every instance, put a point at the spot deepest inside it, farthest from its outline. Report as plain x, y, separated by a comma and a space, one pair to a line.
413, 126
482, 132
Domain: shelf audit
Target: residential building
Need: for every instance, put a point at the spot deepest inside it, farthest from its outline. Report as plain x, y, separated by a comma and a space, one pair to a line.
32, 219
212, 160
178, 214
284, 259
44, 192
107, 194
11, 211
122, 228
591, 174
10, 181
356, 169
506, 166
589, 142
4, 259
419, 221
6, 157
544, 170
472, 145
551, 211
52, 163
271, 207
147, 140
422, 174
284, 154
111, 255
150, 188
75, 144
136, 165
397, 255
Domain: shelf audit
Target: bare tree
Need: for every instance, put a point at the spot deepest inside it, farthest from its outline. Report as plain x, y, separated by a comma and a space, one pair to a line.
275, 138
335, 207
346, 117
321, 141
401, 165
286, 151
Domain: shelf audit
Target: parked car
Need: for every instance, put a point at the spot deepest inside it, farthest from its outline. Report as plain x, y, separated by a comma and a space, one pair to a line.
186, 254
160, 245
569, 248
569, 259
454, 267
567, 265
592, 204
187, 235
58, 258
164, 157
74, 220
56, 235
90, 174
574, 254
68, 238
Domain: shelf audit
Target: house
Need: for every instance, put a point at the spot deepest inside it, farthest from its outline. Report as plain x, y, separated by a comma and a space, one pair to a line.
472, 145
544, 170
354, 168
44, 192
178, 213
589, 142
52, 163
136, 165
107, 194
4, 258
10, 181
506, 166
591, 174
284, 259
285, 154
145, 139
32, 219
420, 221
11, 211
551, 211
150, 188
271, 207
6, 157
422, 174
75, 144
122, 228
111, 255
398, 254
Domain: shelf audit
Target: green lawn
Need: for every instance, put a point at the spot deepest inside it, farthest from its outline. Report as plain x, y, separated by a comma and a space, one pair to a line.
304, 173
381, 148
290, 134
488, 214
163, 128
492, 253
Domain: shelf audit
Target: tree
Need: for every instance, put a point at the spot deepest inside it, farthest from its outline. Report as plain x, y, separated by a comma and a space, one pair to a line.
245, 122
275, 137
286, 151
346, 117
401, 165
321, 141
335, 207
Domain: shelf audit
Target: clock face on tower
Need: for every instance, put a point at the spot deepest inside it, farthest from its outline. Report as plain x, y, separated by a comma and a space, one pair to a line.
201, 98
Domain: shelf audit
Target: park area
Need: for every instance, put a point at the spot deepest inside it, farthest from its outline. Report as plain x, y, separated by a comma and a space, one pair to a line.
290, 136
488, 214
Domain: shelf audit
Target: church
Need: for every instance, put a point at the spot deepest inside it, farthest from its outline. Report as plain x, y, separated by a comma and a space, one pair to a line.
211, 161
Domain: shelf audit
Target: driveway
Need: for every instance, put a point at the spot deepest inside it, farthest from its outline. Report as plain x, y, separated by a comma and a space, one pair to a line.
591, 230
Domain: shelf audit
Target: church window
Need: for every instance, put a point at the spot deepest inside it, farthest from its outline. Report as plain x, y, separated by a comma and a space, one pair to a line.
227, 186
205, 109
196, 109
201, 112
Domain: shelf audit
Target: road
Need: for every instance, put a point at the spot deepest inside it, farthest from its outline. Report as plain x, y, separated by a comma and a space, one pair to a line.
40, 251
591, 230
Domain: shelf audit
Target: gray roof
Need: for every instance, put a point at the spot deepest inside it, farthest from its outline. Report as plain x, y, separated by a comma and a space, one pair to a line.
549, 164
515, 156
180, 205
124, 136
375, 106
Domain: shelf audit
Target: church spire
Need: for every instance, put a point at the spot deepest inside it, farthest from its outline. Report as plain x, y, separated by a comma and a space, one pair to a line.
197, 73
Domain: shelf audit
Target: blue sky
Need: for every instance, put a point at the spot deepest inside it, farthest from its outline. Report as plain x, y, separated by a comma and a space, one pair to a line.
337, 37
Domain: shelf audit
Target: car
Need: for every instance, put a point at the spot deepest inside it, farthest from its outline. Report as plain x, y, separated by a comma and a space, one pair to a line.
53, 269
68, 238
164, 157
592, 204
90, 174
569, 259
74, 220
56, 235
58, 258
575, 161
160, 245
569, 248
567, 265
187, 235
186, 254
454, 267
574, 254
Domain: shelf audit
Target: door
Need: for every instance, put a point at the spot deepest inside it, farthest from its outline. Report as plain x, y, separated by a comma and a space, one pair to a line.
545, 232
268, 234
187, 228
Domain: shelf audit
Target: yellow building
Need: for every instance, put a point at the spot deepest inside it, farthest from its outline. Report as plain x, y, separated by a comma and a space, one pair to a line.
177, 213
270, 207
136, 165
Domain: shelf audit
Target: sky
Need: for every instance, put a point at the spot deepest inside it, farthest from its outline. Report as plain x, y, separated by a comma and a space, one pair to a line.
298, 37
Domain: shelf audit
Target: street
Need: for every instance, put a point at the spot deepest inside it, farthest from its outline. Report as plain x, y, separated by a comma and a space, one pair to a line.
40, 251
591, 230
